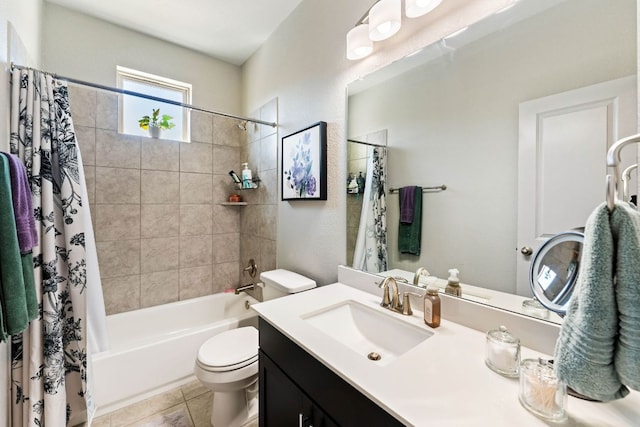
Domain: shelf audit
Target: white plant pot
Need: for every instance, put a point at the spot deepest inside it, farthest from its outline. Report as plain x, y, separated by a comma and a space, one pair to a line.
154, 131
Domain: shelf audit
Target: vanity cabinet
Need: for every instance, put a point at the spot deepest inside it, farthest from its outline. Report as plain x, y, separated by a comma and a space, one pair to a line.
297, 389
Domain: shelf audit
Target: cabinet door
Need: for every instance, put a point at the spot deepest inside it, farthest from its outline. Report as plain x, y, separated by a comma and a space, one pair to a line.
280, 399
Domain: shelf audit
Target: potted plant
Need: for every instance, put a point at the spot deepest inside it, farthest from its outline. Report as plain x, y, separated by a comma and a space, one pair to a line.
155, 123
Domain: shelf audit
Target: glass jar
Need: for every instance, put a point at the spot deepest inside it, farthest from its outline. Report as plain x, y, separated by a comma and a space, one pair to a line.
503, 352
541, 392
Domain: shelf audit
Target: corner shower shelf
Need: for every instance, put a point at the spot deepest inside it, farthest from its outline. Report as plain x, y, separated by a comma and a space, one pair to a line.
234, 203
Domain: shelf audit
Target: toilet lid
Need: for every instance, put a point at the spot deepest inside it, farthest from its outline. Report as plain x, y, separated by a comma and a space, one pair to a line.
230, 348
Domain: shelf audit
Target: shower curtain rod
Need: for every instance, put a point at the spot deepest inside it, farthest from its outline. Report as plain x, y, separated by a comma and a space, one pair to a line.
145, 96
366, 143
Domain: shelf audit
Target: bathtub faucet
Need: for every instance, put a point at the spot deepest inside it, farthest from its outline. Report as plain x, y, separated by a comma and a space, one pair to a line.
242, 288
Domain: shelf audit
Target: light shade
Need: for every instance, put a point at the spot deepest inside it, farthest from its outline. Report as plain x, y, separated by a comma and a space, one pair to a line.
358, 43
415, 8
384, 19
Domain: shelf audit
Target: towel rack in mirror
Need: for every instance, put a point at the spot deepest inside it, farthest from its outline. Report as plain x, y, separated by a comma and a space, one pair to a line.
613, 161
436, 188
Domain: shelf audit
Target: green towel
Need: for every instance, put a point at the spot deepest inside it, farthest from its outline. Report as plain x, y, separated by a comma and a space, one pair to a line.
15, 316
584, 353
625, 225
410, 235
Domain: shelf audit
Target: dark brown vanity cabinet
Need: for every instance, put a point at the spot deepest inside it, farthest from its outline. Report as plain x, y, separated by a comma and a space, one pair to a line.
298, 390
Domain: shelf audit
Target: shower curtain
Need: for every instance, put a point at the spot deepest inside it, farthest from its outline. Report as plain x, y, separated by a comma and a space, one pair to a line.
50, 372
371, 244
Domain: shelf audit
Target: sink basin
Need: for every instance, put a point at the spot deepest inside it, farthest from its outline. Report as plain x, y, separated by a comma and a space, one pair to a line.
368, 332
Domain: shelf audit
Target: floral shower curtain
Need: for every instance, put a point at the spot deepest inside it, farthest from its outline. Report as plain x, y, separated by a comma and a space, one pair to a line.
371, 244
49, 382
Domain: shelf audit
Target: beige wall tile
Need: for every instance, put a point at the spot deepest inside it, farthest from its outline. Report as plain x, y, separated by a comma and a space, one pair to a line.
251, 154
226, 247
196, 157
226, 275
268, 253
269, 113
86, 138
90, 180
159, 254
83, 105
115, 222
119, 258
253, 130
117, 150
195, 282
223, 186
160, 187
195, 251
115, 185
226, 159
160, 154
107, 111
159, 221
196, 220
121, 294
269, 187
269, 152
159, 288
226, 219
227, 132
266, 221
195, 188
250, 248
249, 220
201, 127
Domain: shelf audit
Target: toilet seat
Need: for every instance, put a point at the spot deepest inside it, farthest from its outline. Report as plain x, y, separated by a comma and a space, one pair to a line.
229, 350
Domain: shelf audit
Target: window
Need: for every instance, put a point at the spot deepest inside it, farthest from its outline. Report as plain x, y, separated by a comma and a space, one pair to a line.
132, 108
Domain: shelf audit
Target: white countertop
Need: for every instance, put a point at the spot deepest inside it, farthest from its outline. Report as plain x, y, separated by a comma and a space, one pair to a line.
444, 379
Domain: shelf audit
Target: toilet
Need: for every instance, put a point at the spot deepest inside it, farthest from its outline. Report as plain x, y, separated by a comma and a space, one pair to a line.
227, 363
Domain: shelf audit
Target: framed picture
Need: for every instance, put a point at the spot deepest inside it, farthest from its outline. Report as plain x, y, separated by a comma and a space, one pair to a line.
304, 164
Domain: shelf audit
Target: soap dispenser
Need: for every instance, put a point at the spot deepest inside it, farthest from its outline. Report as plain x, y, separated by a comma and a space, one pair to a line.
453, 285
432, 306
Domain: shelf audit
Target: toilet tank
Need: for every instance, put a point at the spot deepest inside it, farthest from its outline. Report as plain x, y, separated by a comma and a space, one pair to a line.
280, 282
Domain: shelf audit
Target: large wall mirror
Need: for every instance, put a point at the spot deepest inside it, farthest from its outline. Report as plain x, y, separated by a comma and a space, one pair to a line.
514, 115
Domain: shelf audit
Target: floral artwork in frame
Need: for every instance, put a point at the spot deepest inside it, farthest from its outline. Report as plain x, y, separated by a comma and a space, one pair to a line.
304, 164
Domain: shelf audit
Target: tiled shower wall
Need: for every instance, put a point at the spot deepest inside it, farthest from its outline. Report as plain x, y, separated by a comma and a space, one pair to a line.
161, 233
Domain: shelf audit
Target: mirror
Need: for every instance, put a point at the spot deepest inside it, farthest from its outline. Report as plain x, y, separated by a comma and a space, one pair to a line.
554, 270
452, 114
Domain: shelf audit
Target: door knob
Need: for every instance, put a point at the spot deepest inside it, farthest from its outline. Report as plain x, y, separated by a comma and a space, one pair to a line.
526, 250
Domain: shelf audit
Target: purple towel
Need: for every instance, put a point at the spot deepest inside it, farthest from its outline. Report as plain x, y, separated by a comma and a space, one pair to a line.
22, 207
407, 200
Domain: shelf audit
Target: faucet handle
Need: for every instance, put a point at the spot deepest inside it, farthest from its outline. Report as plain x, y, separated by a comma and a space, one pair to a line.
386, 299
406, 305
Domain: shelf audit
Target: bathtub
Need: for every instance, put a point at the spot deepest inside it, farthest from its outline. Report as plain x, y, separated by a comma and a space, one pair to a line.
154, 349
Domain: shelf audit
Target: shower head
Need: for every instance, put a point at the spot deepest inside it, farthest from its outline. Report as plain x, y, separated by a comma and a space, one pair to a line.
243, 125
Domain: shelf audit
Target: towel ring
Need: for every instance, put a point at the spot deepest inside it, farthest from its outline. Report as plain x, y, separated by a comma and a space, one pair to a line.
613, 161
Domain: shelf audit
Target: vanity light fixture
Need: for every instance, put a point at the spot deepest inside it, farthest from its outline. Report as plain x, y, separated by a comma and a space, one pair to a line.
359, 44
385, 19
415, 8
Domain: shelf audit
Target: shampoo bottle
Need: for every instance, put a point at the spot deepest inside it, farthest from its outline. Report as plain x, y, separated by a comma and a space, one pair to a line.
246, 176
432, 306
453, 285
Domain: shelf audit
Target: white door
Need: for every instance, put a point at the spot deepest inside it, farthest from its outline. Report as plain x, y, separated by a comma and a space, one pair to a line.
562, 148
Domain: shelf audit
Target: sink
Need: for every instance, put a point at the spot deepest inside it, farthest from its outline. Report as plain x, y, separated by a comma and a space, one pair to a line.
376, 335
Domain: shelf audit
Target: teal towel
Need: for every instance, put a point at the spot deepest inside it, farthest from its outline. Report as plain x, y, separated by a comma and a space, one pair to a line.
410, 235
584, 353
625, 225
15, 316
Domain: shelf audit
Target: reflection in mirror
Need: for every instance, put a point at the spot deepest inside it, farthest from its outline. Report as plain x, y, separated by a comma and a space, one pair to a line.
366, 202
454, 114
555, 269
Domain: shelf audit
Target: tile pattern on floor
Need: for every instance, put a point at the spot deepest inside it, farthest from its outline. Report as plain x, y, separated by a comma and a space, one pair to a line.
186, 406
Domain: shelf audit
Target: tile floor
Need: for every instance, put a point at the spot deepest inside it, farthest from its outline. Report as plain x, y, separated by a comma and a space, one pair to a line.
186, 406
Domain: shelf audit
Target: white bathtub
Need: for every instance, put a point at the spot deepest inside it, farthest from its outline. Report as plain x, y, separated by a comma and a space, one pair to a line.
154, 349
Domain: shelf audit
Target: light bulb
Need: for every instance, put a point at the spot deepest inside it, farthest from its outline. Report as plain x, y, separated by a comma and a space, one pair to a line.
385, 19
358, 43
415, 8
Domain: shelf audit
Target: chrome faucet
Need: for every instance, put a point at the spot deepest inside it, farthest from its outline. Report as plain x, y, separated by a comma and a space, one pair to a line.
393, 302
419, 272
242, 288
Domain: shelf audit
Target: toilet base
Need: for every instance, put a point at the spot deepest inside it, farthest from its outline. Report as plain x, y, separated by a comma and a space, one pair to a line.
235, 408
